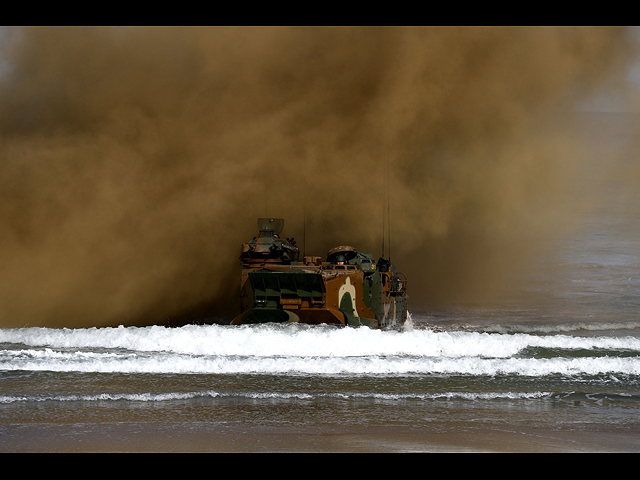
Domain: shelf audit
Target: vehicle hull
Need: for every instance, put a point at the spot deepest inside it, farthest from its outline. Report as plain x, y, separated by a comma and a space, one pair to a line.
349, 288
314, 295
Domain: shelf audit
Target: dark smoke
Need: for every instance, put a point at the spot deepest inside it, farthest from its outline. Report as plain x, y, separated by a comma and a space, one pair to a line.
135, 161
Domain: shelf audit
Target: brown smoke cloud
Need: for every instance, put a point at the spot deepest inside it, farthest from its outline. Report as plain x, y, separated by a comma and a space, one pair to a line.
135, 161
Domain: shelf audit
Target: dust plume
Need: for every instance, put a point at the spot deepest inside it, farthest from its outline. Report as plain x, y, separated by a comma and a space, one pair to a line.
135, 161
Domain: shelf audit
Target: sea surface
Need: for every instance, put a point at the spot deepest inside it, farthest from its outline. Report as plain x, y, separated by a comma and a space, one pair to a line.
559, 375
472, 385
559, 372
556, 371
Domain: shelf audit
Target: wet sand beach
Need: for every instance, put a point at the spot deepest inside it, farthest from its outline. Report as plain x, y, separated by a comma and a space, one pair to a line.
187, 438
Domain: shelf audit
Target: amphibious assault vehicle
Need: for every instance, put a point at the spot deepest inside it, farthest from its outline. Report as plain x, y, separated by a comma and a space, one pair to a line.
348, 288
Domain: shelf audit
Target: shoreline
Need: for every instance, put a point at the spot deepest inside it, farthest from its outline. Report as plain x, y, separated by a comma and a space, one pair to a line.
153, 438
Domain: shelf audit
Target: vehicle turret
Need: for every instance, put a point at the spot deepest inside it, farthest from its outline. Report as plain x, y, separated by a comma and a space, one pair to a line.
268, 247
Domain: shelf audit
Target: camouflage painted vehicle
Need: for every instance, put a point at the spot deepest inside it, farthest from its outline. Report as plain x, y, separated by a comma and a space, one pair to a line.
349, 288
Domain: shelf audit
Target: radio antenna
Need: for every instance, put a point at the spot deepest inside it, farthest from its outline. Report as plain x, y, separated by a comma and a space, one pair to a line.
383, 197
383, 215
386, 209
388, 203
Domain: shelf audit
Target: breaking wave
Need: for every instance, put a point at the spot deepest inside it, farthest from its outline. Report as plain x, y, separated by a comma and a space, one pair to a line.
572, 398
164, 397
313, 350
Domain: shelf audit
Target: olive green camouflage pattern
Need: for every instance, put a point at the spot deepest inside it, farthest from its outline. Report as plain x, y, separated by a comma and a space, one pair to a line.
348, 288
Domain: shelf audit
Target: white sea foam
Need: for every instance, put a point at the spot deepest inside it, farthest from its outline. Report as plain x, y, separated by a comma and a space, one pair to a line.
177, 396
294, 349
111, 397
292, 340
48, 360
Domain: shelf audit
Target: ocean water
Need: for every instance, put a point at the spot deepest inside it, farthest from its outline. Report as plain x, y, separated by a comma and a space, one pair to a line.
558, 370
444, 383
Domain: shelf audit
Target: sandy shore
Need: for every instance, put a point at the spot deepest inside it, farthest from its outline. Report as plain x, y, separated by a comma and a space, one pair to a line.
204, 438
